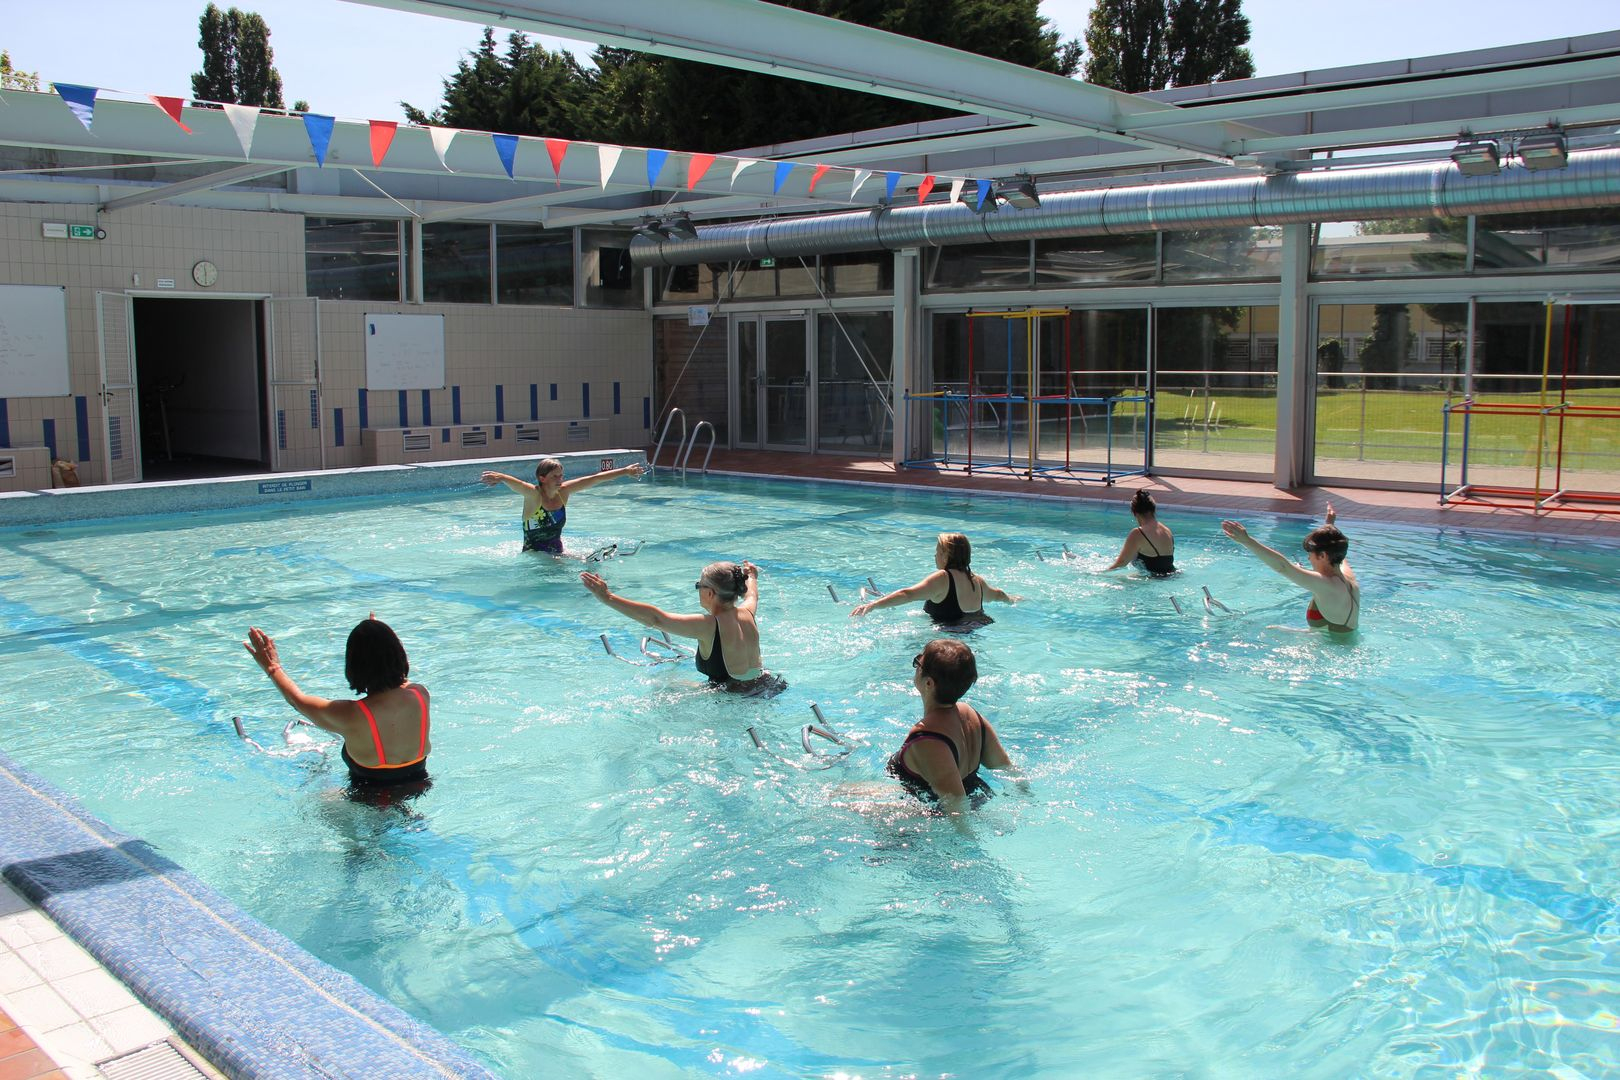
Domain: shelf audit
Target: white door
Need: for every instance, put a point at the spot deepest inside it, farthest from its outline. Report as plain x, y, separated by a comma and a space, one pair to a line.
294, 348
120, 413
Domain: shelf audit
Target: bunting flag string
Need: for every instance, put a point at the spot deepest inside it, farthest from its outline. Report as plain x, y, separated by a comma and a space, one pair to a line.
442, 138
782, 170
924, 188
696, 166
742, 163
319, 129
382, 137
984, 193
244, 118
655, 165
890, 182
80, 99
607, 159
861, 177
506, 147
172, 106
557, 149
956, 188
821, 170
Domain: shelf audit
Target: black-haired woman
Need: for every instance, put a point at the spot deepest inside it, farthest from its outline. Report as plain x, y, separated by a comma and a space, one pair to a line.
1150, 545
385, 732
1335, 593
727, 635
953, 595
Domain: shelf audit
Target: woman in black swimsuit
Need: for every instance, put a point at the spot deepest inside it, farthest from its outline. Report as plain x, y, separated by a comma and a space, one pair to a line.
1149, 545
952, 595
941, 756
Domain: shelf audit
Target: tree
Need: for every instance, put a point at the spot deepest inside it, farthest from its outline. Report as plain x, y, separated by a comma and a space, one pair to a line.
12, 79
527, 91
237, 60
1142, 45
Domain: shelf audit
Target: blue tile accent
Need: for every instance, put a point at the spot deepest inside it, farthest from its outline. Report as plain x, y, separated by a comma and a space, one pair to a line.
5, 425
646, 413
363, 423
314, 409
500, 404
553, 391
337, 427
281, 428
444, 434
497, 433
534, 402
585, 400
427, 409
615, 399
455, 404
81, 418
48, 435
404, 411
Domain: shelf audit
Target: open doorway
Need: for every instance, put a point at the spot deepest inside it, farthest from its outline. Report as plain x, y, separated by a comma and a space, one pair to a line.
200, 377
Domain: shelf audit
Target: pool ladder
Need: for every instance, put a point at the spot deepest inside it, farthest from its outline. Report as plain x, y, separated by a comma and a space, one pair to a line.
683, 445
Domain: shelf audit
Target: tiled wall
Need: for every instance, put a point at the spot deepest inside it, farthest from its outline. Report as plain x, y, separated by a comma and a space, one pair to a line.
503, 364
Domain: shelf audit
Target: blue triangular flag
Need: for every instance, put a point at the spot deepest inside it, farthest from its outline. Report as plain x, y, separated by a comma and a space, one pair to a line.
655, 165
506, 146
319, 129
984, 193
891, 181
782, 170
81, 99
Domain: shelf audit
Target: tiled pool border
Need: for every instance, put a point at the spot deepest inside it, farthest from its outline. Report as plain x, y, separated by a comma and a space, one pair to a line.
252, 1002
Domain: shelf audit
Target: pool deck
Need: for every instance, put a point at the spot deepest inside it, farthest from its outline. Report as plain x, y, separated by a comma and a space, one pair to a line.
1416, 508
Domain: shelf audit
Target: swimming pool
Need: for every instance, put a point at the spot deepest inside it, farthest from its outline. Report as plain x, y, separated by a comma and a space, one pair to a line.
1248, 851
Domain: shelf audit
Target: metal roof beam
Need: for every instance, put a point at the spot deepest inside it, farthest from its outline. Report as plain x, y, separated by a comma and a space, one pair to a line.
238, 175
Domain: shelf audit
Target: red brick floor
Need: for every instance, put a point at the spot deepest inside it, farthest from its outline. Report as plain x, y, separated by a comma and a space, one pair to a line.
1234, 496
20, 1059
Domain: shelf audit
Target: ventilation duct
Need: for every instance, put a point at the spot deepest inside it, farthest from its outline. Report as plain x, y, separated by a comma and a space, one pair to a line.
1438, 189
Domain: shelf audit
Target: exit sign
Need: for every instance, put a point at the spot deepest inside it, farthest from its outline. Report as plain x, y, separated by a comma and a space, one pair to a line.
57, 230
81, 232
767, 264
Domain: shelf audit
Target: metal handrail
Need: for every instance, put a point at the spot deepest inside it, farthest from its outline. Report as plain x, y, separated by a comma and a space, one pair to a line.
669, 419
687, 452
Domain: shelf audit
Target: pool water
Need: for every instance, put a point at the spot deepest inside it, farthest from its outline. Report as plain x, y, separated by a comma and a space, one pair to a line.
1247, 851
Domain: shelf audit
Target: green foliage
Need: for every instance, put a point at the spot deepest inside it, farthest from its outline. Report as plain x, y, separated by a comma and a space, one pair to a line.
13, 79
1142, 45
645, 100
237, 60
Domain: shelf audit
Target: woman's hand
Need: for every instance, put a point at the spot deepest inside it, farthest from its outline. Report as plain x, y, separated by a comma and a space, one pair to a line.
1235, 530
595, 584
636, 468
859, 609
751, 570
492, 477
1331, 516
263, 650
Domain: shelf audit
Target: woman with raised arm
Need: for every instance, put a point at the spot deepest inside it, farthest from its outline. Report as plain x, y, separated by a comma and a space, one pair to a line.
1150, 545
385, 731
1335, 593
726, 632
953, 595
545, 502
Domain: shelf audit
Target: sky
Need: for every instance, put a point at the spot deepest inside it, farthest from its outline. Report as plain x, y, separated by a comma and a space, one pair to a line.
358, 62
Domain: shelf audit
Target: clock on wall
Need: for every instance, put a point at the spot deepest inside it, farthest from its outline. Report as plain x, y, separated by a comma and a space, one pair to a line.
205, 273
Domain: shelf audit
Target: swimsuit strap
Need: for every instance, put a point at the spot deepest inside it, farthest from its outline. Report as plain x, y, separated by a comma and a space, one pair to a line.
946, 739
421, 749
1148, 542
376, 736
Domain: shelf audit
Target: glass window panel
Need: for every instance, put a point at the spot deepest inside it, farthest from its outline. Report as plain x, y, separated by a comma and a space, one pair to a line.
858, 273
980, 266
1387, 248
782, 278
1251, 253
697, 284
1096, 260
534, 265
1086, 356
1383, 371
610, 279
855, 354
455, 263
346, 259
1562, 240
1215, 394
691, 367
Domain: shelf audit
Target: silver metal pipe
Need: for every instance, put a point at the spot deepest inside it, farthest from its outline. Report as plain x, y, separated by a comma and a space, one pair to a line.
1591, 179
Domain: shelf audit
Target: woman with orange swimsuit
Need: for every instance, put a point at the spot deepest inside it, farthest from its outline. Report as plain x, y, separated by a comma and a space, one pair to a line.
385, 732
1335, 593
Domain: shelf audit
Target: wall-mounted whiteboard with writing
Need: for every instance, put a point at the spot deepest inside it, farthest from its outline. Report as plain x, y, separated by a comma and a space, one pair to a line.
33, 341
404, 352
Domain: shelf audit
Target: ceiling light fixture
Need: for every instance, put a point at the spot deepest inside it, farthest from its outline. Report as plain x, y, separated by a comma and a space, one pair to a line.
1019, 191
1547, 150
1477, 157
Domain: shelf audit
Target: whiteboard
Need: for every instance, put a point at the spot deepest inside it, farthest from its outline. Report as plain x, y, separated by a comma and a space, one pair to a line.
33, 341
404, 352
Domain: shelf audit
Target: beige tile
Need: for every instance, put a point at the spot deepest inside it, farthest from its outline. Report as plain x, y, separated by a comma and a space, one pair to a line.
39, 1008
56, 959
27, 928
130, 1028
75, 1044
15, 974
93, 993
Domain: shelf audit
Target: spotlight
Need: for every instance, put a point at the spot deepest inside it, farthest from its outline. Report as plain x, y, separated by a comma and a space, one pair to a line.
1477, 157
1545, 151
1019, 192
680, 227
649, 229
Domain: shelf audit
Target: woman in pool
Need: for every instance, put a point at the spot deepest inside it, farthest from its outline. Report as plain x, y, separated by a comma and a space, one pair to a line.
385, 732
726, 633
1335, 592
943, 751
1150, 545
953, 595
545, 502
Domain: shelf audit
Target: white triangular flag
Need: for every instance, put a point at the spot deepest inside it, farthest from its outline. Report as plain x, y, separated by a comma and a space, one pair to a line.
442, 138
956, 187
861, 177
607, 159
244, 118
742, 163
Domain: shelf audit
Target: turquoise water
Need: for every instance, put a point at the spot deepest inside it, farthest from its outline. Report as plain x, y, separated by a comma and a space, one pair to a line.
1248, 851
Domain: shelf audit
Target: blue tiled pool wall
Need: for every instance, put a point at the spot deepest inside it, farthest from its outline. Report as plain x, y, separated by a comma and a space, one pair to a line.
247, 998
126, 500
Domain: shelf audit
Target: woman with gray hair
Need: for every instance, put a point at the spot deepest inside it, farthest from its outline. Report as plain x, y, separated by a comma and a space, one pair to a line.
726, 633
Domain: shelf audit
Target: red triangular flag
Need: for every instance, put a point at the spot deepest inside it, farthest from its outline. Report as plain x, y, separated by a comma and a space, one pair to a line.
821, 170
696, 166
558, 149
924, 188
172, 105
382, 137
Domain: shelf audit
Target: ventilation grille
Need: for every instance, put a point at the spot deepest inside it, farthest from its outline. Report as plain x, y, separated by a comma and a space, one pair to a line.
160, 1061
524, 434
579, 433
417, 444
8, 466
115, 437
475, 437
